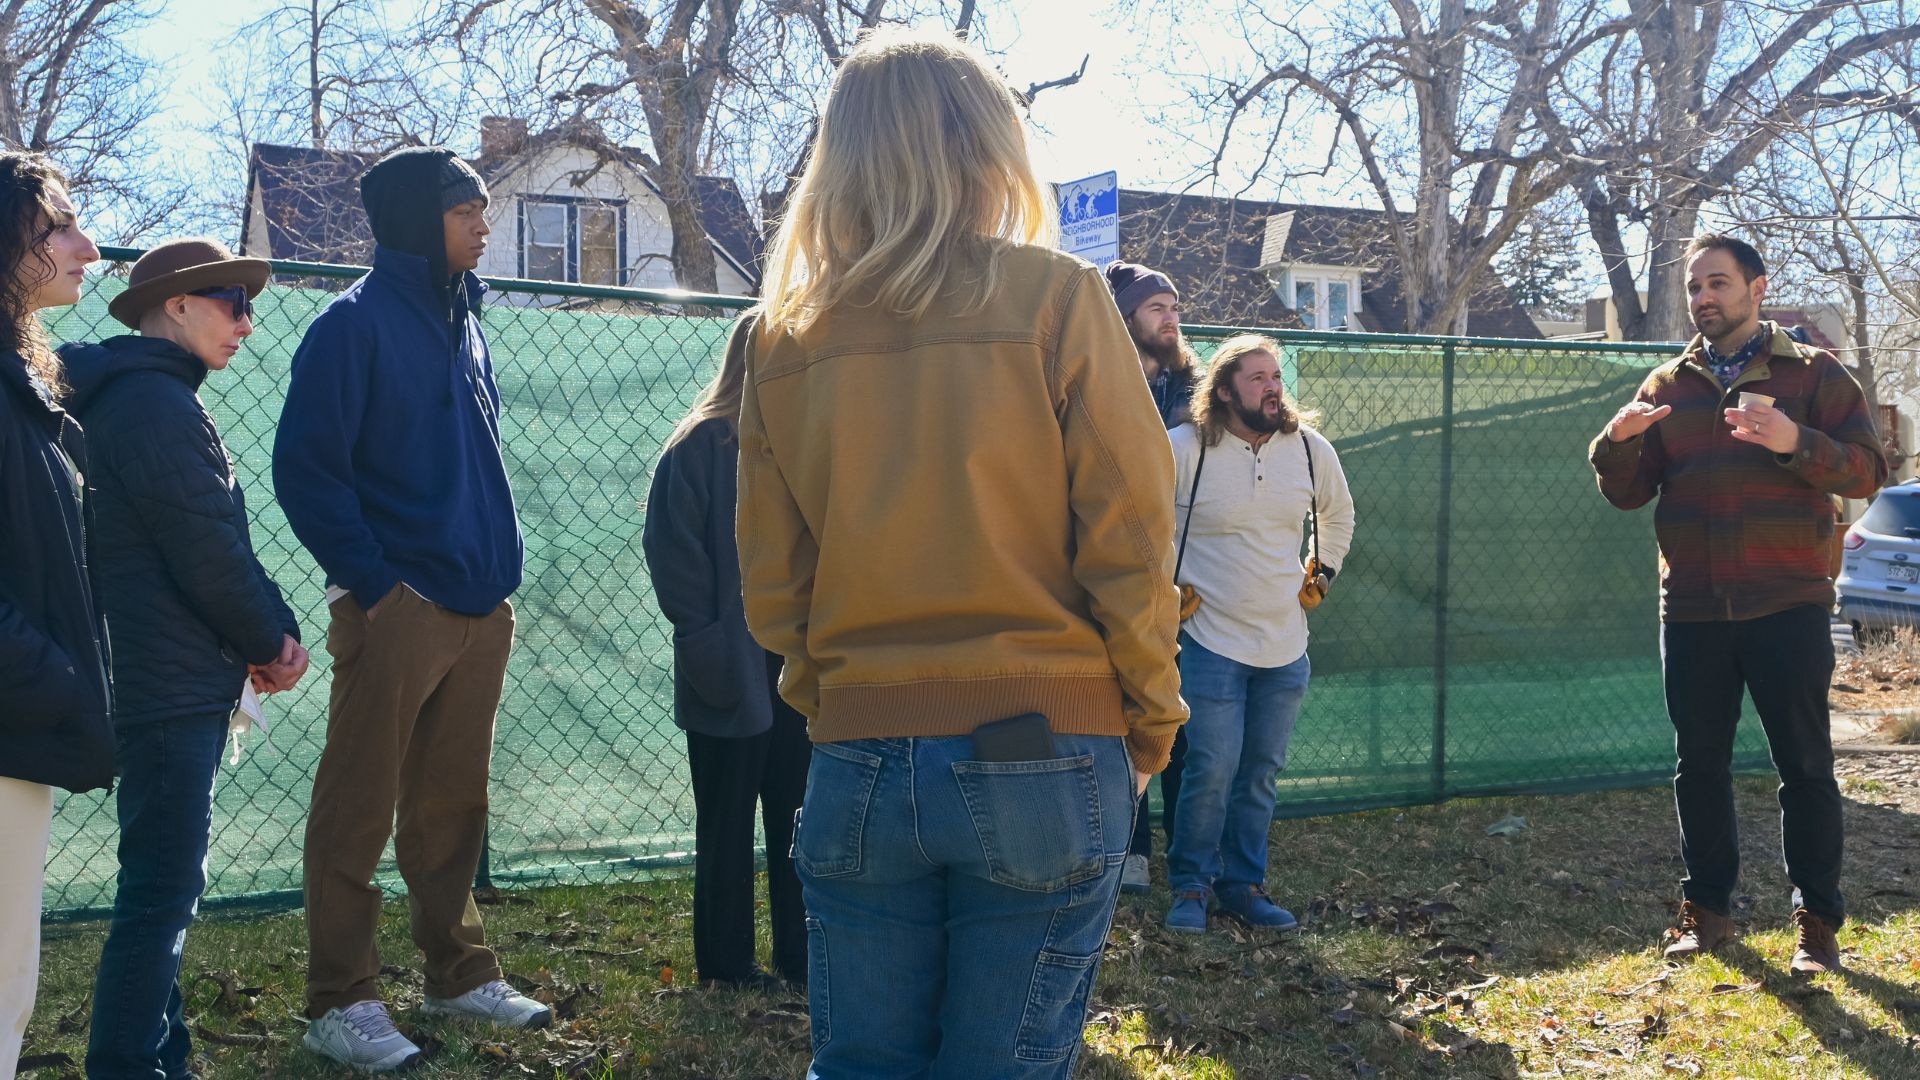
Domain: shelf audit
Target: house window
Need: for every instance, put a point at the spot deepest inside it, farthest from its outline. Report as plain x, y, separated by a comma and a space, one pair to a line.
599, 233
565, 239
545, 241
1323, 300
1338, 308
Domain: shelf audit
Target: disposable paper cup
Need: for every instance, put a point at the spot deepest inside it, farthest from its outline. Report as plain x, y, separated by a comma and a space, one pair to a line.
1748, 401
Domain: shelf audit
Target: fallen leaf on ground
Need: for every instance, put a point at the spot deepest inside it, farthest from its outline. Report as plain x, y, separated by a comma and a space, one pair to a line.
1510, 825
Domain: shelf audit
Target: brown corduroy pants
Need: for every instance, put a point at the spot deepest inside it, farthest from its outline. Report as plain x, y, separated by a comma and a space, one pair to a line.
409, 738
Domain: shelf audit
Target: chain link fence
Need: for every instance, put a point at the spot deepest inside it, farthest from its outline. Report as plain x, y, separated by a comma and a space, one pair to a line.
1494, 630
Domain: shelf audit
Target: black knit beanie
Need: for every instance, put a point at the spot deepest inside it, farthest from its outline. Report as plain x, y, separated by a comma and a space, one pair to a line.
406, 193
1132, 284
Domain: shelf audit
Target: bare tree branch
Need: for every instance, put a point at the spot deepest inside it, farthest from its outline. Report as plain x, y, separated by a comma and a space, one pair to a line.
1664, 140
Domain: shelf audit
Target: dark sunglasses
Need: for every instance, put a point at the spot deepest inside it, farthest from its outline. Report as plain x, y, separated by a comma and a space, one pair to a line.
236, 295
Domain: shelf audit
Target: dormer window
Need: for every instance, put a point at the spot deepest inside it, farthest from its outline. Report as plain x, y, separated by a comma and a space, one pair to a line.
1324, 297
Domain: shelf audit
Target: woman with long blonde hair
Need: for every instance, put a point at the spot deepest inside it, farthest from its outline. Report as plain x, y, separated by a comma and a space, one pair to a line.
956, 527
744, 745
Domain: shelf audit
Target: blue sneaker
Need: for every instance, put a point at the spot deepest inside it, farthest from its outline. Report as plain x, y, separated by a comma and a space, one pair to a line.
1188, 915
1251, 905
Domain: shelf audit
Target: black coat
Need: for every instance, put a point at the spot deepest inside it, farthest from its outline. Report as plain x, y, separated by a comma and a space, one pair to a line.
720, 684
188, 606
55, 701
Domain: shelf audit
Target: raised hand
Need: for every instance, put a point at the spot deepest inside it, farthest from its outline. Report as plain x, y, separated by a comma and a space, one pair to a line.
1633, 419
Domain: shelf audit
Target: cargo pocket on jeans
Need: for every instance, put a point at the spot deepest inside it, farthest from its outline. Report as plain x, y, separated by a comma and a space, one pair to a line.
1051, 1027
819, 996
833, 814
1038, 821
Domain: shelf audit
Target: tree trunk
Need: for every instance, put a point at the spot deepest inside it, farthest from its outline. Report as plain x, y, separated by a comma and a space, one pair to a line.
11, 129
1669, 231
1677, 42
1863, 361
1440, 57
677, 79
316, 128
694, 266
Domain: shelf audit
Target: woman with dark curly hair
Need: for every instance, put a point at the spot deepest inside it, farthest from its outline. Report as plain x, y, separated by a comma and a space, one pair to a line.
55, 730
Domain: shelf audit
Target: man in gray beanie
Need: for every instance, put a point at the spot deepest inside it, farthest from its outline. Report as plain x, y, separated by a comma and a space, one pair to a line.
389, 467
1150, 305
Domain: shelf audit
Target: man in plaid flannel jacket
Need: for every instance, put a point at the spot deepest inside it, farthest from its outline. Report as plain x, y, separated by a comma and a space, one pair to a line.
1744, 438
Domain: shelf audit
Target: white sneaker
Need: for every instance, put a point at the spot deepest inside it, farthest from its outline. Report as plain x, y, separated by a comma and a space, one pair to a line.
1133, 876
361, 1037
496, 1002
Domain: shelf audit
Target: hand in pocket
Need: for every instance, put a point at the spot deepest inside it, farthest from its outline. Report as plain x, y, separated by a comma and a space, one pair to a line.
385, 601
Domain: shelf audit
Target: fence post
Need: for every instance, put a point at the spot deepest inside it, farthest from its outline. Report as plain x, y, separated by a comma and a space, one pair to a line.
1442, 554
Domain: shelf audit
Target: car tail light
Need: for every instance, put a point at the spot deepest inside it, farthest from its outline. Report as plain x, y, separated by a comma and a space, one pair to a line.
1854, 540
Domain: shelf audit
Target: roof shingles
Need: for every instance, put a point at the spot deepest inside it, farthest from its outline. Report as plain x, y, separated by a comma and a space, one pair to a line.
1213, 249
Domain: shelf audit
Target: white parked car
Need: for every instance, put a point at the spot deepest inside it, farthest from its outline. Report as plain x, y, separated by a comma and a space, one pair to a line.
1879, 582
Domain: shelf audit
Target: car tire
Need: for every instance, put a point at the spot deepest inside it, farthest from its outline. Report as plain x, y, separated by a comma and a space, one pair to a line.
1869, 636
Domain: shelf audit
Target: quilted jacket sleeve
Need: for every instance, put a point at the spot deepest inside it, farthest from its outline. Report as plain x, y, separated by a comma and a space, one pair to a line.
181, 488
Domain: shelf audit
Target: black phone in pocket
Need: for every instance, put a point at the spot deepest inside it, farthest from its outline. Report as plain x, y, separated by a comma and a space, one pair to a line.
1018, 738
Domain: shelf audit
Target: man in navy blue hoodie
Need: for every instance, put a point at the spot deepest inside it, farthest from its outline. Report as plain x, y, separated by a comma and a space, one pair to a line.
388, 466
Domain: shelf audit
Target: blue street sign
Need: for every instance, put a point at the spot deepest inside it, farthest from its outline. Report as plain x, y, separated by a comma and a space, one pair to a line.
1090, 217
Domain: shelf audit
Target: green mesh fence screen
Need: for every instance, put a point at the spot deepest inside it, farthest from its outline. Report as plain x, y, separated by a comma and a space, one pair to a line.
1494, 629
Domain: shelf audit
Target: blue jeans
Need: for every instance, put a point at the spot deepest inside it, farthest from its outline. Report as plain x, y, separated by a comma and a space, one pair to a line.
957, 910
1237, 739
166, 814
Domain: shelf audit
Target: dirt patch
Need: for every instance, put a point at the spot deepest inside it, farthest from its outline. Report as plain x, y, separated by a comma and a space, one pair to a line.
1893, 778
1883, 678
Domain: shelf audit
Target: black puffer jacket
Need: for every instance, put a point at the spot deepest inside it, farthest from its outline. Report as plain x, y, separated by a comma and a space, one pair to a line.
188, 606
54, 697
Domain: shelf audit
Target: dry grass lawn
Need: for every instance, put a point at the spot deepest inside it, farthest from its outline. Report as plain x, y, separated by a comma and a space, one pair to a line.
1430, 949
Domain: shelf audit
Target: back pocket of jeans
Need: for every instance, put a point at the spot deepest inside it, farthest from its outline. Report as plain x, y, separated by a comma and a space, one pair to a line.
833, 816
1038, 821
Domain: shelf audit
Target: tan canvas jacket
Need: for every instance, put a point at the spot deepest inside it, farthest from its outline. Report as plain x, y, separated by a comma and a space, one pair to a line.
952, 520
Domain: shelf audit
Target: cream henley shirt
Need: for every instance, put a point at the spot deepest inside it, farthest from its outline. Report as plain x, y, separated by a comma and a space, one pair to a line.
1244, 556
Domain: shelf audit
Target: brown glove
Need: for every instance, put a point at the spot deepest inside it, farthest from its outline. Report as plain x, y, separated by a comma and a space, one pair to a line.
1314, 589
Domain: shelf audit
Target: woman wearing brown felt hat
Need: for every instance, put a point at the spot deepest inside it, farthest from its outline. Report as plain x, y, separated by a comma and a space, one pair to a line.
191, 619
192, 267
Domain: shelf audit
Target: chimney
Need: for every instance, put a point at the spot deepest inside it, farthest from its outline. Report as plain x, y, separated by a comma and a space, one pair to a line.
501, 136
1273, 240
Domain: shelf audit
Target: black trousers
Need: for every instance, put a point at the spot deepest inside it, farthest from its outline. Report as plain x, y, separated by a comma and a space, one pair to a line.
1785, 661
729, 777
1169, 799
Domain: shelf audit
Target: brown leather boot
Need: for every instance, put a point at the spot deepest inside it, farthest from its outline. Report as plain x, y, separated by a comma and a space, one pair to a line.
1701, 930
1817, 950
